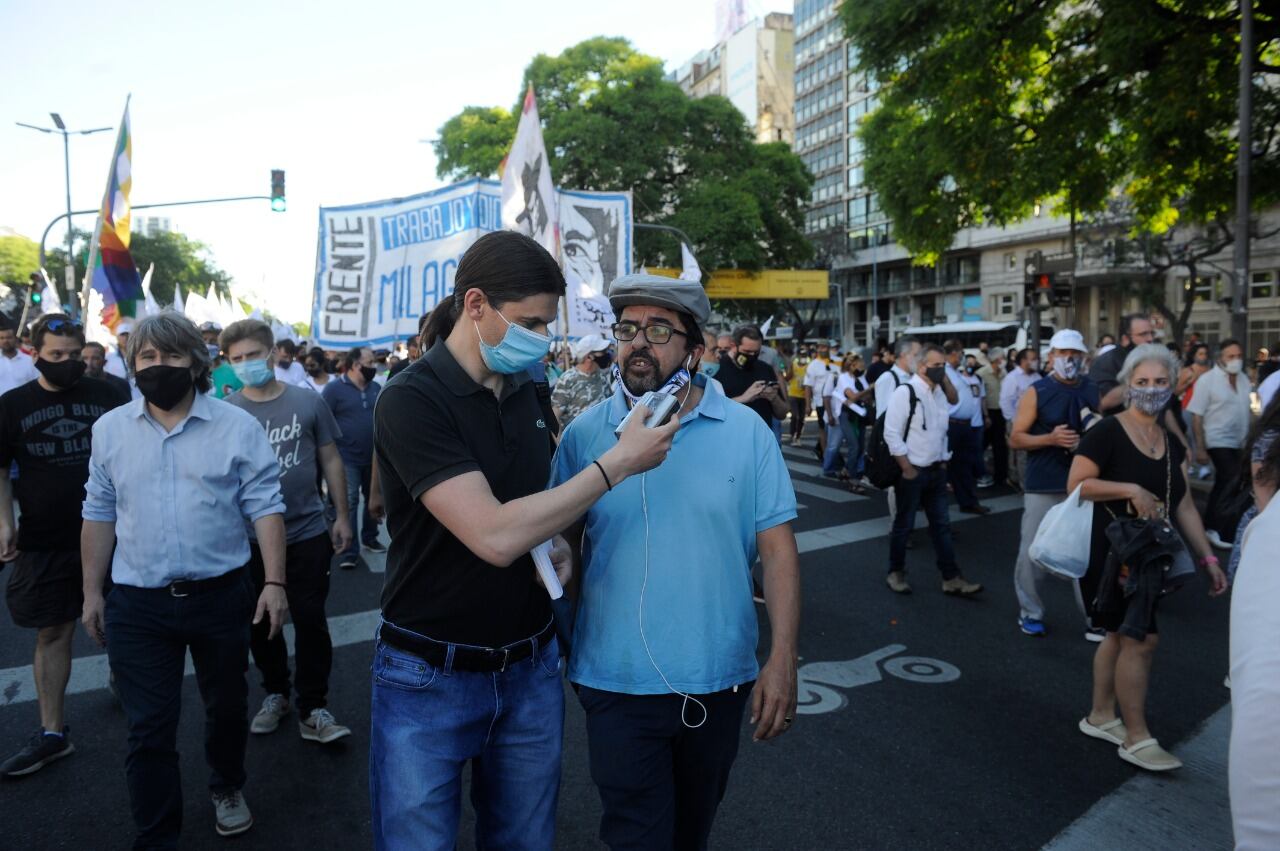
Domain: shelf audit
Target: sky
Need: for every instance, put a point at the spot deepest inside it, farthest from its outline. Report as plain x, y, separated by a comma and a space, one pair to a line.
338, 95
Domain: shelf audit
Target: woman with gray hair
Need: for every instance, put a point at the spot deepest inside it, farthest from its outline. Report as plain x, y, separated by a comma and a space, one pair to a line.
1129, 465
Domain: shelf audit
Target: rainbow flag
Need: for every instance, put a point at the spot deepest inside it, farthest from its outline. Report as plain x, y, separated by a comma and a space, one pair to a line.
114, 275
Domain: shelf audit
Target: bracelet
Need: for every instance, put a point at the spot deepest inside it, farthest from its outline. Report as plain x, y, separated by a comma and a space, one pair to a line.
608, 484
273, 582
1208, 560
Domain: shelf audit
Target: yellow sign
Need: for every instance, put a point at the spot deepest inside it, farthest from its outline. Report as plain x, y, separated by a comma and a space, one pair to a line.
767, 284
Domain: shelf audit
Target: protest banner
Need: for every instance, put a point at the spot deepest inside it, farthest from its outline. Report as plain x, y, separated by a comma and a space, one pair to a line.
381, 265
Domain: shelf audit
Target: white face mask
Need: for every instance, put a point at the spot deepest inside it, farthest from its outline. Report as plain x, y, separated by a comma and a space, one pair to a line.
1234, 367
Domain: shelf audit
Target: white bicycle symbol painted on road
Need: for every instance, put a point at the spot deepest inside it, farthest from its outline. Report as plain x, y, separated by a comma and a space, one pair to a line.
816, 695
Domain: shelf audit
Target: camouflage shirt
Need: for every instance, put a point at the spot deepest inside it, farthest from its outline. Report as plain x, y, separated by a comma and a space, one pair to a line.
576, 391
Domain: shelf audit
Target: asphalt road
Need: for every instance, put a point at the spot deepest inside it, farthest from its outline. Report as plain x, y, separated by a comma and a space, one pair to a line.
980, 751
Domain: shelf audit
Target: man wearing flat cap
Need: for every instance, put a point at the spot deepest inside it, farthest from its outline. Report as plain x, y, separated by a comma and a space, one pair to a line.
664, 644
587, 382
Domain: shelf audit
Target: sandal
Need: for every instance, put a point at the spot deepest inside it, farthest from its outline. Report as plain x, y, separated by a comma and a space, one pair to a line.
1149, 755
1112, 731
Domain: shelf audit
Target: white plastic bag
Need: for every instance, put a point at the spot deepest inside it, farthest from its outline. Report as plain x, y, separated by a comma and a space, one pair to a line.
1062, 542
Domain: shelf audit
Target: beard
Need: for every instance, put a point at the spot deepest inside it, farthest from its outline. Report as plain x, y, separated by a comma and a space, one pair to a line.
638, 385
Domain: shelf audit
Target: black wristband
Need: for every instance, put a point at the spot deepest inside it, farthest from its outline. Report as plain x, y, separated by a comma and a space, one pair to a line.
608, 484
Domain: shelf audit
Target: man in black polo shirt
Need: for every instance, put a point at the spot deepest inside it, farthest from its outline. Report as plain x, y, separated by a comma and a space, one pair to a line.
749, 380
1135, 329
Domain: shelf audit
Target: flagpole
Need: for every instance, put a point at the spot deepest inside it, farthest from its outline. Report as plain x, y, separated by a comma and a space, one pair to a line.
97, 228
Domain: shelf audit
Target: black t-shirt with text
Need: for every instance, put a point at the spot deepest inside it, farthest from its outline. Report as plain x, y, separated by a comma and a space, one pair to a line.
433, 423
48, 434
735, 380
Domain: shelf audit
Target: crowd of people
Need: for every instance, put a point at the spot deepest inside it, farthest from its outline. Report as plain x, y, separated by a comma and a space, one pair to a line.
481, 450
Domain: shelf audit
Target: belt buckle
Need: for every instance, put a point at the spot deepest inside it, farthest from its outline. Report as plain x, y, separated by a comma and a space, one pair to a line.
173, 589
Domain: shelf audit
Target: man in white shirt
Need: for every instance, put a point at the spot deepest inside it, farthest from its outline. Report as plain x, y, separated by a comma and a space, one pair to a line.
1026, 373
905, 351
16, 367
115, 360
1220, 417
915, 430
819, 380
288, 370
964, 440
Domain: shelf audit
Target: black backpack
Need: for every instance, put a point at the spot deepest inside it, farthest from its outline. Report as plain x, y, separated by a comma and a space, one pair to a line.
882, 468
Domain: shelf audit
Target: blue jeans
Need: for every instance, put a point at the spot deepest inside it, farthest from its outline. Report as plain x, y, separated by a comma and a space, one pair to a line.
358, 480
852, 431
928, 490
832, 455
428, 722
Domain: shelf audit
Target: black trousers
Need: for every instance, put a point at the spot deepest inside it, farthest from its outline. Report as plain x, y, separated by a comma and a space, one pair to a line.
661, 782
999, 446
1226, 475
148, 635
306, 566
964, 451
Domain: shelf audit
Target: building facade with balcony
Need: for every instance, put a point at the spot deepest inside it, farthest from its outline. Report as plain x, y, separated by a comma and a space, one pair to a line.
881, 294
755, 69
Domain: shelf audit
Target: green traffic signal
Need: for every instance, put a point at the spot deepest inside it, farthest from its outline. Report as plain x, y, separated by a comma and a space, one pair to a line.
37, 297
277, 190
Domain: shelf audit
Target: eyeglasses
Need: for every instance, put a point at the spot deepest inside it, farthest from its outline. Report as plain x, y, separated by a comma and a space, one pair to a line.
721, 351
625, 332
59, 325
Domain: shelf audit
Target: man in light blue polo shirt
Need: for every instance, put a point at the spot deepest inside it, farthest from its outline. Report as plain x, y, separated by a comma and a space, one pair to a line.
664, 648
966, 445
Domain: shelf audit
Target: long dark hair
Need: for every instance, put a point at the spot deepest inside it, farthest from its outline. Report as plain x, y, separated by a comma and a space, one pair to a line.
505, 266
1269, 421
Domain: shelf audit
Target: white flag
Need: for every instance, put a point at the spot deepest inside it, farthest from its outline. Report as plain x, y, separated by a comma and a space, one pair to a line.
764, 329
178, 304
690, 272
151, 306
528, 194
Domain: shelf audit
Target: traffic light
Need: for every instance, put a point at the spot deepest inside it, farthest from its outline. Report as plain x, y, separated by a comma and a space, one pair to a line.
277, 190
37, 289
1035, 285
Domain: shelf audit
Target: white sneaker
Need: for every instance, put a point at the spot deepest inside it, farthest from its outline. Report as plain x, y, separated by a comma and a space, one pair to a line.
231, 813
274, 707
321, 727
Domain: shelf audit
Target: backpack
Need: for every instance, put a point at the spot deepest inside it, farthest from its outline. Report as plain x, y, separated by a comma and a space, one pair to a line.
882, 468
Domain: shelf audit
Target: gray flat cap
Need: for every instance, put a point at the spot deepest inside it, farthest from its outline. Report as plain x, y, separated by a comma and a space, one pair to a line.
683, 296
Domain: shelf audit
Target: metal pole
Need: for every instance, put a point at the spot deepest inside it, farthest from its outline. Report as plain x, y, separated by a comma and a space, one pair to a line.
69, 270
1239, 319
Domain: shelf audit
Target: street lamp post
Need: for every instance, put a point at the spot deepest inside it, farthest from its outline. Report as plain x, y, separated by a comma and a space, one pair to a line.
70, 270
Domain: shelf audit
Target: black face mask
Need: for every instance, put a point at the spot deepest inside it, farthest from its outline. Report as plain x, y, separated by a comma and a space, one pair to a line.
331, 367
857, 373
936, 373
368, 372
314, 369
164, 386
746, 359
63, 374
603, 360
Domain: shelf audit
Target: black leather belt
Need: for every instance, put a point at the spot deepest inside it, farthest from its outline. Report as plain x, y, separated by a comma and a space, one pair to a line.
187, 587
475, 659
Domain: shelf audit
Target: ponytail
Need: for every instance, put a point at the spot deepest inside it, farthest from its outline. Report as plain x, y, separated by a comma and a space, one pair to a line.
505, 266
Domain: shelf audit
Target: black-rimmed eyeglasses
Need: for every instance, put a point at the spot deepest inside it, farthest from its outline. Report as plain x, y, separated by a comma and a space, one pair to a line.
625, 332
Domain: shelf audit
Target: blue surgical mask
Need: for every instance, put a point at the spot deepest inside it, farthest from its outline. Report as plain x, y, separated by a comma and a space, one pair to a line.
709, 368
253, 373
518, 349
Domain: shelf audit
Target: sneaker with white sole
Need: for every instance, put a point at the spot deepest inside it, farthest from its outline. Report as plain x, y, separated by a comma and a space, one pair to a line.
274, 707
1097, 635
231, 813
42, 749
321, 727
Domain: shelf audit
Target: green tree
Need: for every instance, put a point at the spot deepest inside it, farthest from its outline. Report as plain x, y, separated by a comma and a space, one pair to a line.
611, 121
179, 260
19, 257
987, 108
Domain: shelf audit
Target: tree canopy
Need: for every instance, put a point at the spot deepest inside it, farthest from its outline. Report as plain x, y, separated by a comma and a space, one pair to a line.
988, 108
19, 257
179, 260
611, 121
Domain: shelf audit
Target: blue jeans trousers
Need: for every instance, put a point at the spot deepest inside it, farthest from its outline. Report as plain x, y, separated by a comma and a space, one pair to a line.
428, 722
358, 478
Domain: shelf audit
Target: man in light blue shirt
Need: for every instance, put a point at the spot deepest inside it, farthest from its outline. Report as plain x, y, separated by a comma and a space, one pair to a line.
664, 649
173, 477
966, 443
